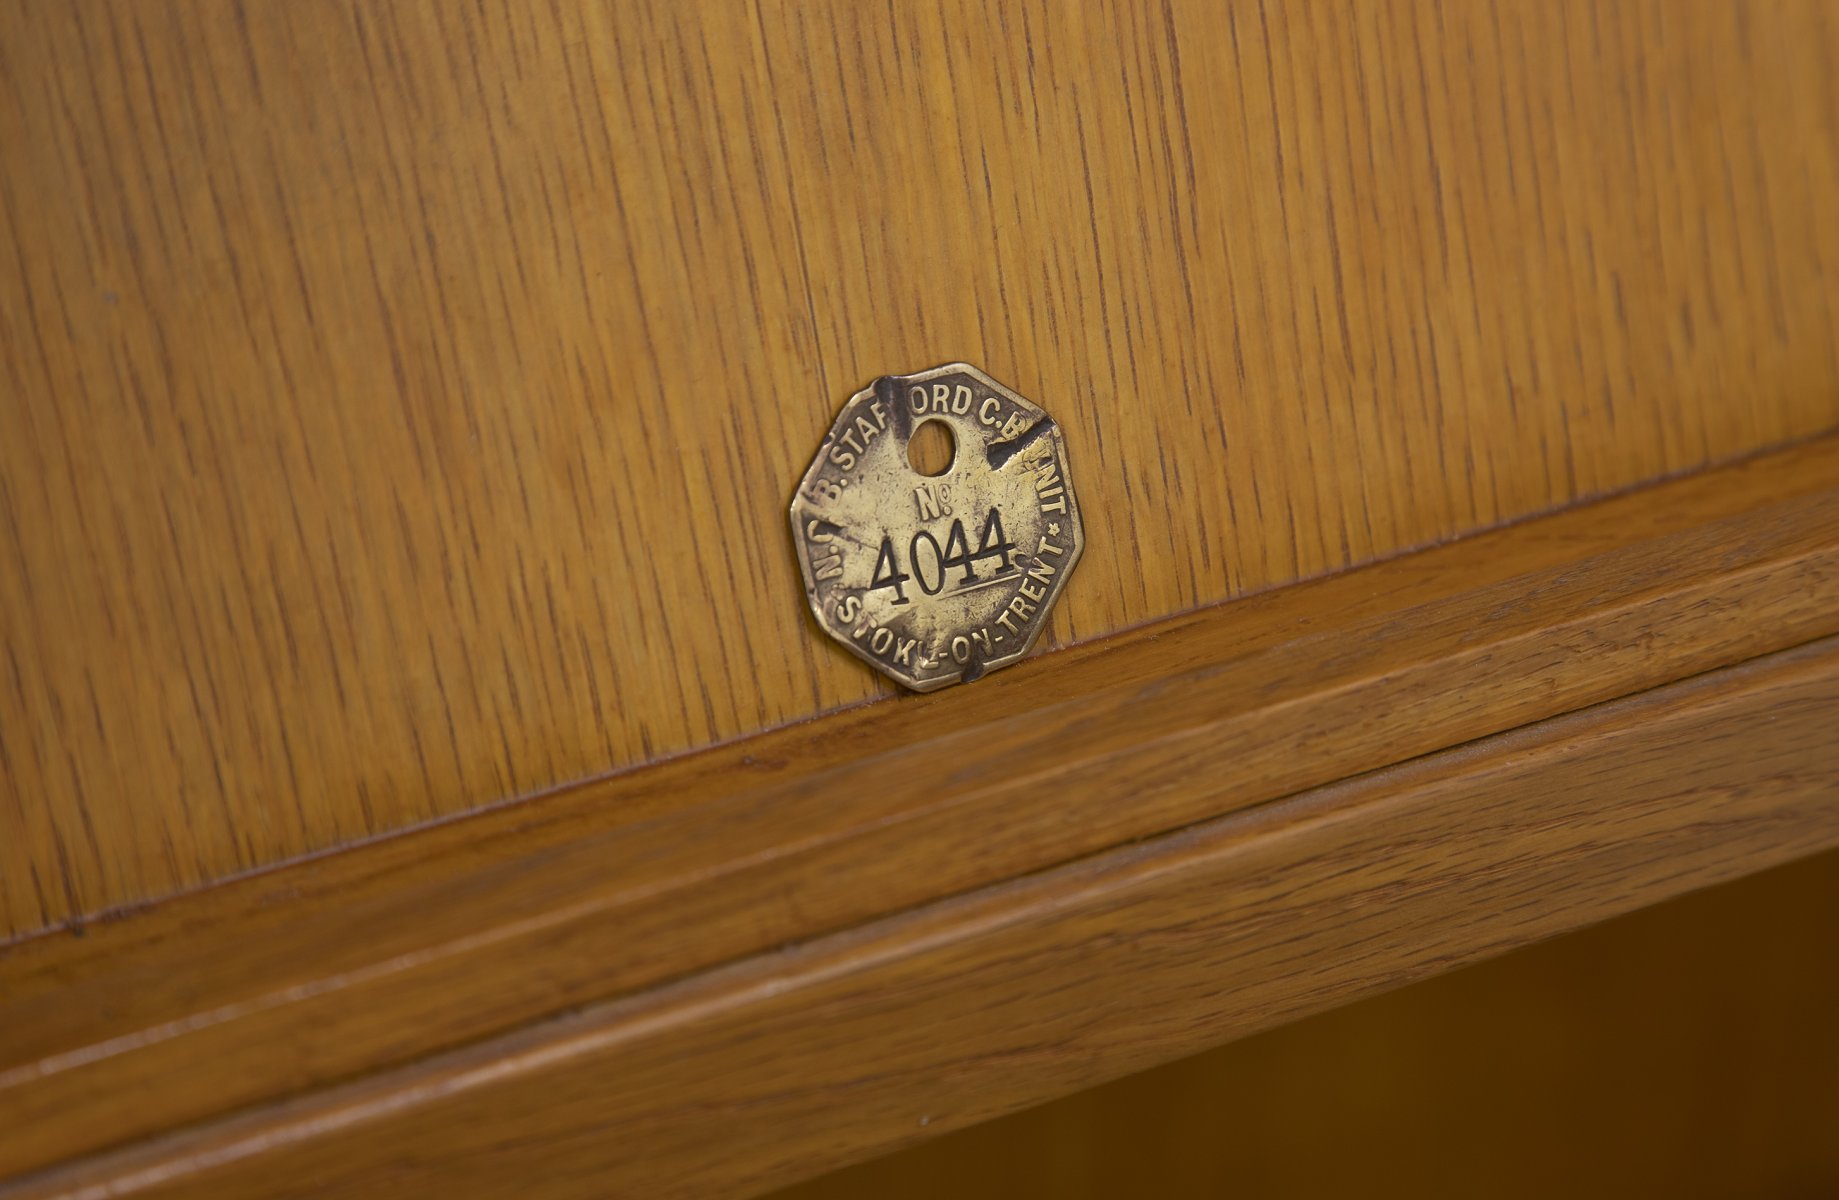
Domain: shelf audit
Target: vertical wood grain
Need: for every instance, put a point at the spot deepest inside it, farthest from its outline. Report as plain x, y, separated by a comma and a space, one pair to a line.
398, 401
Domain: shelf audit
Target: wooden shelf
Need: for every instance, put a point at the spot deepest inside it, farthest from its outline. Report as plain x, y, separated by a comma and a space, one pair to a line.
1686, 1049
946, 906
418, 769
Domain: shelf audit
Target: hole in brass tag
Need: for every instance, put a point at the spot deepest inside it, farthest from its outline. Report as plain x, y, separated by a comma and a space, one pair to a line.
932, 448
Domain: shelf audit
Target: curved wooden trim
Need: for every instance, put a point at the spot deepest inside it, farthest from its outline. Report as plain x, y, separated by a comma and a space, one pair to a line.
644, 885
789, 1063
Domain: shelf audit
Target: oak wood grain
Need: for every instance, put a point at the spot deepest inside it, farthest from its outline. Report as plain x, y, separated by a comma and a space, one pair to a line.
398, 401
778, 1067
393, 951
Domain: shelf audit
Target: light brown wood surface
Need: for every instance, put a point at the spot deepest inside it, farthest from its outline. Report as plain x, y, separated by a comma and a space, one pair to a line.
398, 402
1687, 1050
774, 1068
365, 962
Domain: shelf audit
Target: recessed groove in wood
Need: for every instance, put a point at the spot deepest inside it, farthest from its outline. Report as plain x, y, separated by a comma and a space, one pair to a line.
783, 1065
399, 402
381, 954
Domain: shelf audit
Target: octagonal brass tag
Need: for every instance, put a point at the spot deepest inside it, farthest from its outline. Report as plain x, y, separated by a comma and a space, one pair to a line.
937, 578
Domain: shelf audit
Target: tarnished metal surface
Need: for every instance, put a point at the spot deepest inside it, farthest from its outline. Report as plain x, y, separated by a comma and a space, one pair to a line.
937, 579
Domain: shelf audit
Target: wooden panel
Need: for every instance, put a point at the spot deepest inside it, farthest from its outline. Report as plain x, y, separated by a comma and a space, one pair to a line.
396, 951
1688, 1050
398, 402
781, 1066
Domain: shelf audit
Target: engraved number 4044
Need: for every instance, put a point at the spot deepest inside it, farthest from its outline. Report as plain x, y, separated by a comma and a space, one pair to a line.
955, 553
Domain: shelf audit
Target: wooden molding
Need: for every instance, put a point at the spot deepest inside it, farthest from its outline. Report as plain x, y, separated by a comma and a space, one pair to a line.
792, 1062
572, 977
1688, 1049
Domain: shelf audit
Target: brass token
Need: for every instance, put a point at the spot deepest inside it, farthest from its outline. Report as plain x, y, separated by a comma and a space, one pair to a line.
934, 579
